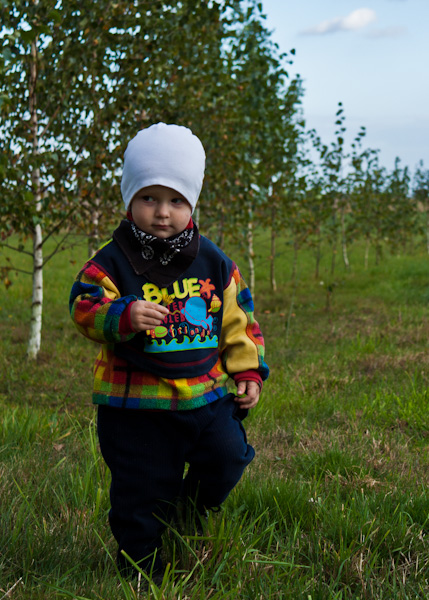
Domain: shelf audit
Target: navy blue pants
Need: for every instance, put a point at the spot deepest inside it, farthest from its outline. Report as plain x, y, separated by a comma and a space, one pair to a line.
146, 453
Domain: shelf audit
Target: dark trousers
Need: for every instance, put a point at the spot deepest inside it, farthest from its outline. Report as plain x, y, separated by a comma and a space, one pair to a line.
146, 453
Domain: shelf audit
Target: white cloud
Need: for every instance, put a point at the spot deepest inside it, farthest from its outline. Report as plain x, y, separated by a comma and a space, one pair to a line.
353, 22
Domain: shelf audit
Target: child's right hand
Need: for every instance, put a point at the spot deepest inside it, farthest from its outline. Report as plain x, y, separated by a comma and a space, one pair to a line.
146, 315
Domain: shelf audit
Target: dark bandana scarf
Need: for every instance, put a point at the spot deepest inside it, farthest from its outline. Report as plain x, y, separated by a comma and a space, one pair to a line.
161, 261
174, 244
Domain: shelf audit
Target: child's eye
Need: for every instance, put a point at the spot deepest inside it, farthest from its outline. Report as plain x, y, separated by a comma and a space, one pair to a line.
147, 198
177, 200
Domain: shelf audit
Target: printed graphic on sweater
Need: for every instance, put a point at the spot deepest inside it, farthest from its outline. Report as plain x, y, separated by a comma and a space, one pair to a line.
192, 322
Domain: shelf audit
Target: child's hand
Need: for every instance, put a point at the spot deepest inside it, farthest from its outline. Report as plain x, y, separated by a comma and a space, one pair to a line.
248, 394
146, 315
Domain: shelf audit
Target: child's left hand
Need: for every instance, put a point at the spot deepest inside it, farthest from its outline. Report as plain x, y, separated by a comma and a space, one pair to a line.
247, 394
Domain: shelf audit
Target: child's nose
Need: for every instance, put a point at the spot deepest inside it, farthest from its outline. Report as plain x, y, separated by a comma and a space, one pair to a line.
162, 209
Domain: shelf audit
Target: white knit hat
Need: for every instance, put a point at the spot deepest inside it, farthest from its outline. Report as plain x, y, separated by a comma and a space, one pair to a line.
168, 155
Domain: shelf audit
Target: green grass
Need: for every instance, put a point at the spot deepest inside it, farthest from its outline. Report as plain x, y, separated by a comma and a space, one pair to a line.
336, 504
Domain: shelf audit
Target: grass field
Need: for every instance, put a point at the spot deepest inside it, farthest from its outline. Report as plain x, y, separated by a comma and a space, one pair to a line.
336, 504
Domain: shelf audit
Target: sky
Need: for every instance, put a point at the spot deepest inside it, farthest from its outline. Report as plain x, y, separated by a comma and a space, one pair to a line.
371, 55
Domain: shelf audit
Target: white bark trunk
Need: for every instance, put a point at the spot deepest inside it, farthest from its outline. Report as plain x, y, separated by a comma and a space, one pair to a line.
273, 247
367, 246
318, 256
251, 255
35, 336
334, 256
427, 232
37, 298
295, 261
94, 238
196, 216
272, 261
344, 241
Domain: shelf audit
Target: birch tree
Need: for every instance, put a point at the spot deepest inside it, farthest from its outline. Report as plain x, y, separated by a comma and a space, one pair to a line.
421, 194
46, 107
261, 129
368, 202
400, 215
333, 158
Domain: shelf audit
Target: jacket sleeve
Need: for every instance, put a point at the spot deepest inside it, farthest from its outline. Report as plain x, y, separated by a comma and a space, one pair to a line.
97, 308
241, 342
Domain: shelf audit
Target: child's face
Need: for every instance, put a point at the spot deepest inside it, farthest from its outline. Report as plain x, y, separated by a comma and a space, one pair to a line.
160, 211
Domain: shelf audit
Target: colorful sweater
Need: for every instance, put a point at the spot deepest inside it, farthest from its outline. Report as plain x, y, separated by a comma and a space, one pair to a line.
209, 335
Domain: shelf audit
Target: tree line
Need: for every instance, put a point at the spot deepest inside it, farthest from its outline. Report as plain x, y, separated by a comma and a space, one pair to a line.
78, 81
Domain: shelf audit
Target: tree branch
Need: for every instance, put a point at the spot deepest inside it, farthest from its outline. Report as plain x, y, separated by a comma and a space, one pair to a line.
59, 224
16, 269
58, 245
21, 250
53, 117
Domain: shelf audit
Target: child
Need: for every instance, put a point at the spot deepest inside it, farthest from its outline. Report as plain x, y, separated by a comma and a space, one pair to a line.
175, 321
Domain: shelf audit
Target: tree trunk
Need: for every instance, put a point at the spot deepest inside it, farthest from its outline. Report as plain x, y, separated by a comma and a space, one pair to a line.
367, 247
334, 236
344, 241
196, 216
318, 255
273, 250
334, 256
378, 253
35, 336
294, 288
295, 260
251, 255
220, 238
427, 230
94, 238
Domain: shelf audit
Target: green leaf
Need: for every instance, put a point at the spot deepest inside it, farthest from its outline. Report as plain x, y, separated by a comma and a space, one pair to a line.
4, 99
28, 36
55, 15
7, 53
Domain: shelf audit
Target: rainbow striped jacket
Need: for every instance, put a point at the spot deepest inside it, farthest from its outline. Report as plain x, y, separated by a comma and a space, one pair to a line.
209, 335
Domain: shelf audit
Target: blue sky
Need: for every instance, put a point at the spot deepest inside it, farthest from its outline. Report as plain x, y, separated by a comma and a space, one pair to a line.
371, 55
